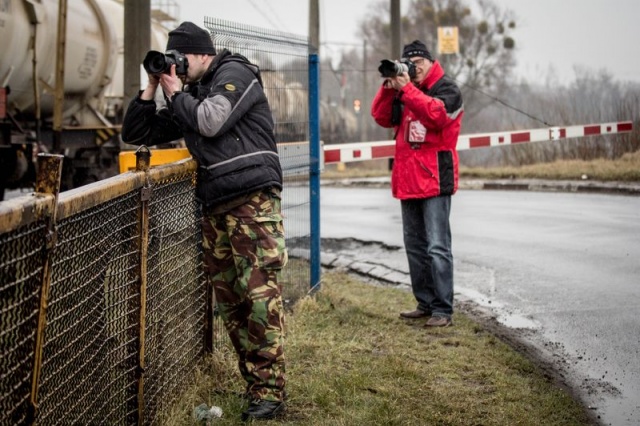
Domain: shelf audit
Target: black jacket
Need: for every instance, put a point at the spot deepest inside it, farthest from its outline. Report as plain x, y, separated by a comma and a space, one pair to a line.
227, 125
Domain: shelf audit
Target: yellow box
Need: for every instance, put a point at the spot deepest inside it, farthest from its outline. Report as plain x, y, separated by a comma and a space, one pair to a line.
127, 159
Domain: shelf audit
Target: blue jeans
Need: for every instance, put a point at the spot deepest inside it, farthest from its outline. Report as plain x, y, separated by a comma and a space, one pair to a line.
427, 240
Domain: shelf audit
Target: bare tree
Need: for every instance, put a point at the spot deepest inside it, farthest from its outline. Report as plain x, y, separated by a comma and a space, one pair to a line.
486, 59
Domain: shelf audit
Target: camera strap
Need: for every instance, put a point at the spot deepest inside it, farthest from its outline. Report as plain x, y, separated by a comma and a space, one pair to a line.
397, 108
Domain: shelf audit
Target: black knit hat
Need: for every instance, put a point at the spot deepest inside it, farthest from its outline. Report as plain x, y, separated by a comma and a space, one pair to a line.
190, 38
416, 48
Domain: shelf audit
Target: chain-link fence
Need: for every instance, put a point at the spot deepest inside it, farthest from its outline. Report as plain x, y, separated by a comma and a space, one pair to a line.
104, 309
107, 285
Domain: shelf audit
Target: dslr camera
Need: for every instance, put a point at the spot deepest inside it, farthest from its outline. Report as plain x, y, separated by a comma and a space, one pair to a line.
157, 62
389, 68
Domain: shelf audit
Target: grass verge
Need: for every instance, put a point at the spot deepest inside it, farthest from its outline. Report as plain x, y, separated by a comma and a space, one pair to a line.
623, 169
352, 361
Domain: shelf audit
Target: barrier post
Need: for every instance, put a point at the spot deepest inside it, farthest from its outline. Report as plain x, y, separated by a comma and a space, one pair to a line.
143, 160
314, 169
47, 182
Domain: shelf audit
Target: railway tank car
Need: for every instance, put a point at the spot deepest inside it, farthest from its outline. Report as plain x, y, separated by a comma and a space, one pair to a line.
93, 87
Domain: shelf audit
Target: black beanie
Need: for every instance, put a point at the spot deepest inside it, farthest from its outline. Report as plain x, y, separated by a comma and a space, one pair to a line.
416, 48
190, 38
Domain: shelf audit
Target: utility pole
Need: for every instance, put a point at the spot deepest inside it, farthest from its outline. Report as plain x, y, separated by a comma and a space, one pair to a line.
365, 98
396, 51
58, 106
137, 41
396, 30
314, 26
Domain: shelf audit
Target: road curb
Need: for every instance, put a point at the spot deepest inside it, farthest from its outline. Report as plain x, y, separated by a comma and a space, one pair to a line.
539, 185
564, 186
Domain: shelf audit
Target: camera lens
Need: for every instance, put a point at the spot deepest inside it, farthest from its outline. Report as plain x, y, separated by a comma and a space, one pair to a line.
155, 62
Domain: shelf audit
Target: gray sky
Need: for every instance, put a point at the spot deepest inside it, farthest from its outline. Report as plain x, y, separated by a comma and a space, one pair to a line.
552, 36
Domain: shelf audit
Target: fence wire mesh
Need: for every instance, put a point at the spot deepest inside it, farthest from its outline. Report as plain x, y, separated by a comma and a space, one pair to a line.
176, 292
90, 344
21, 263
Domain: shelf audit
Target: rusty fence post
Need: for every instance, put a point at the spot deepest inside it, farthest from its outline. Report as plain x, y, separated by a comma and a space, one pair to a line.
209, 321
143, 160
47, 182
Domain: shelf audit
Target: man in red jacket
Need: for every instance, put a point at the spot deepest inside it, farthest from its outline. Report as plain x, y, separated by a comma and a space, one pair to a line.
424, 107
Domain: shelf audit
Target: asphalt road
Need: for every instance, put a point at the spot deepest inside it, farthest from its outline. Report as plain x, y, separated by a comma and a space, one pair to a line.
561, 269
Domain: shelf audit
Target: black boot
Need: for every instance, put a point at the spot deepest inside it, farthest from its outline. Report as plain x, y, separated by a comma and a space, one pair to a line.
261, 409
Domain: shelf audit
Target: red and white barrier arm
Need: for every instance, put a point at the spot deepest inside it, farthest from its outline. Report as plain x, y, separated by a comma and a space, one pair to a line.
362, 151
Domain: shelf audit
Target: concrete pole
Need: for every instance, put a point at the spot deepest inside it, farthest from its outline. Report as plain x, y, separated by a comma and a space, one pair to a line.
314, 27
396, 48
396, 30
137, 41
364, 102
58, 105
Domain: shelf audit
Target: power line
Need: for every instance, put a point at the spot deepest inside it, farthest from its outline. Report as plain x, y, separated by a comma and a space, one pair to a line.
278, 25
500, 101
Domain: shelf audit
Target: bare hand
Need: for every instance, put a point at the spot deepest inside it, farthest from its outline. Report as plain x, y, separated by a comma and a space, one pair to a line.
170, 82
399, 81
154, 80
150, 91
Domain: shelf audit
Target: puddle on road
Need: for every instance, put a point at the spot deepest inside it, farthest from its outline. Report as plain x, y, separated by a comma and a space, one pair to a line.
517, 321
503, 316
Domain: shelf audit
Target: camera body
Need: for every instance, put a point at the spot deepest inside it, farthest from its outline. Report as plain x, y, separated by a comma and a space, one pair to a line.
157, 62
390, 68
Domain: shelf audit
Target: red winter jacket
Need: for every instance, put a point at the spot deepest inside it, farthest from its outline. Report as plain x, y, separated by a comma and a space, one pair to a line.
429, 169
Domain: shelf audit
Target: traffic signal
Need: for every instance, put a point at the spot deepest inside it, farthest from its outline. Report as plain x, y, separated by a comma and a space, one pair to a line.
356, 105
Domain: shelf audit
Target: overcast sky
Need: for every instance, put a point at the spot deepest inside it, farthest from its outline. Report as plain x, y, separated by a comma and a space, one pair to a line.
551, 36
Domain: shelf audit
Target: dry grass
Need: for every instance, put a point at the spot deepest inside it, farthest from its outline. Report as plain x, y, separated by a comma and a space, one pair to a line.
352, 361
625, 169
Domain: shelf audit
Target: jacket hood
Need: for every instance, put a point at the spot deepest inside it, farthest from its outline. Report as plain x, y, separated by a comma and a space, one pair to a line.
226, 56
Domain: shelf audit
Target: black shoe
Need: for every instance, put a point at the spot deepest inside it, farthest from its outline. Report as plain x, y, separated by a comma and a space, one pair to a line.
260, 409
416, 314
438, 321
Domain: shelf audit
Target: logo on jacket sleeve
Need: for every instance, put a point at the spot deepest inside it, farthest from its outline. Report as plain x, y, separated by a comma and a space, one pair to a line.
230, 87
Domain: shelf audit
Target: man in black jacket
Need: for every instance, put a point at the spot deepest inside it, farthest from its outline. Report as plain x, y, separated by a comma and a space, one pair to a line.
226, 122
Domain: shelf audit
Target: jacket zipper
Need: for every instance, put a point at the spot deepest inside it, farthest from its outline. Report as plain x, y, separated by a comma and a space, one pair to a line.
425, 168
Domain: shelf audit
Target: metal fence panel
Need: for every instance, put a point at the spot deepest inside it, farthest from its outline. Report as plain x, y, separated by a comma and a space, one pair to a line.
21, 268
90, 345
176, 292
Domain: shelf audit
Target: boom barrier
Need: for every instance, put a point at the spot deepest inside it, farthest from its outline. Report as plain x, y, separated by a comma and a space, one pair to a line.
362, 151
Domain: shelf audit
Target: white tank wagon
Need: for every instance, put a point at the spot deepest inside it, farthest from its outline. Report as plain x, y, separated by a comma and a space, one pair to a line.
89, 61
93, 86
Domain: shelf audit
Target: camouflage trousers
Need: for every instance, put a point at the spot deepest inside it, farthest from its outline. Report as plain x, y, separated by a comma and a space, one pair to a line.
244, 249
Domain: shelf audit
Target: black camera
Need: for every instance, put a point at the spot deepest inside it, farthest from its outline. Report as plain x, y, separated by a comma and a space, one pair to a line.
389, 68
157, 62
